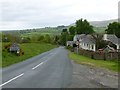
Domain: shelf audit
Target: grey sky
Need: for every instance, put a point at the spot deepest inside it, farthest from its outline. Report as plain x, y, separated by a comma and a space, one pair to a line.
22, 14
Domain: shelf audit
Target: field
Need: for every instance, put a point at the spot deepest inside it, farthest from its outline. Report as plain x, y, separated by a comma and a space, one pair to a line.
42, 31
30, 50
99, 29
111, 65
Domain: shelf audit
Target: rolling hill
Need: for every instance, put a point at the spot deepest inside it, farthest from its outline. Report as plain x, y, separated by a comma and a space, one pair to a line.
102, 23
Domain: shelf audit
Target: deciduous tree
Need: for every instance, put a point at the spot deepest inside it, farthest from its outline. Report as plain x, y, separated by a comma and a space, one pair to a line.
113, 28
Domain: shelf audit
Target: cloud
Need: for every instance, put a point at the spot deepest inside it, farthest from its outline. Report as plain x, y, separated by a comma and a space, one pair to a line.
21, 14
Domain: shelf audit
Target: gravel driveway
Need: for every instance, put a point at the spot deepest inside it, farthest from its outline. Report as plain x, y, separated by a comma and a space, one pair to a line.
91, 77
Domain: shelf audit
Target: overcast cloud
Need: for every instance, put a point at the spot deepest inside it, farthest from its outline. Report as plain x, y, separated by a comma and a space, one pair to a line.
23, 14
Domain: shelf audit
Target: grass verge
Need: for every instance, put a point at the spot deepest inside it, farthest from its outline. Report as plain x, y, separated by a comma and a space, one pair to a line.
111, 65
30, 50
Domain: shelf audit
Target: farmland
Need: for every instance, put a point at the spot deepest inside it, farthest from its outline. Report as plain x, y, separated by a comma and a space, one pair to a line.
42, 31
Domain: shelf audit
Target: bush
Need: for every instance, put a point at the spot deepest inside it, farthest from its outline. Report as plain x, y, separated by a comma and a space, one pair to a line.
26, 40
41, 38
69, 47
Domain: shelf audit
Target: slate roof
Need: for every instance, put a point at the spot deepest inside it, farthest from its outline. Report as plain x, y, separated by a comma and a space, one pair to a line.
112, 38
81, 36
109, 49
88, 39
119, 41
70, 42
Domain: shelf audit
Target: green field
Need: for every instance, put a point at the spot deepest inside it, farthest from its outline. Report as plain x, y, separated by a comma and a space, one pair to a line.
42, 31
99, 29
30, 50
111, 65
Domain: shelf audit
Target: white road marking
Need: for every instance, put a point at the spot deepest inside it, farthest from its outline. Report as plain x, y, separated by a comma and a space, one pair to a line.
37, 65
91, 72
11, 79
51, 54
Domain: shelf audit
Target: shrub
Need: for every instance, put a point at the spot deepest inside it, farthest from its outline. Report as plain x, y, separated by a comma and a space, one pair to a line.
69, 47
26, 40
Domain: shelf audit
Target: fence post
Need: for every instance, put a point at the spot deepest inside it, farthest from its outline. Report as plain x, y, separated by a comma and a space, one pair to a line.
104, 55
118, 54
92, 55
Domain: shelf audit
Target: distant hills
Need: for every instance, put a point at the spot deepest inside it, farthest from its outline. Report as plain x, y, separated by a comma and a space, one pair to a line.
100, 26
102, 23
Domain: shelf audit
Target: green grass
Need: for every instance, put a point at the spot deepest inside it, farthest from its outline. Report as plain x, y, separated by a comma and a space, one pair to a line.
44, 31
99, 29
30, 50
111, 65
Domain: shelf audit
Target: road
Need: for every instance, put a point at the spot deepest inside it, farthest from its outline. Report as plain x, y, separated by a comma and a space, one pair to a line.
53, 69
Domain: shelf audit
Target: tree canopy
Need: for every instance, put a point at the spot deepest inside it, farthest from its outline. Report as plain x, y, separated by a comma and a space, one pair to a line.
63, 37
83, 27
114, 28
72, 30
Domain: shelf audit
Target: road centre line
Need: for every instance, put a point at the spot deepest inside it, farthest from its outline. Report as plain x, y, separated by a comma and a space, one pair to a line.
37, 65
11, 79
44, 61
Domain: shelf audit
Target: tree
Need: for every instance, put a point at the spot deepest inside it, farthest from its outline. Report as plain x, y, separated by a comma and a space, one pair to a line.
64, 30
70, 37
26, 40
11, 38
114, 28
47, 38
41, 38
63, 38
72, 30
56, 39
83, 27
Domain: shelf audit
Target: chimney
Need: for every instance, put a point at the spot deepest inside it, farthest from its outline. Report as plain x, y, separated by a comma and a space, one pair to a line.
105, 37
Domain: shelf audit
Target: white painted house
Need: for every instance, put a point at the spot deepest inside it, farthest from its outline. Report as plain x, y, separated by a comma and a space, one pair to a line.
85, 42
70, 43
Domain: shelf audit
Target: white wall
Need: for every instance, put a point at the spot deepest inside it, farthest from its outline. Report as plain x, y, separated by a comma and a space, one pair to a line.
88, 47
74, 39
118, 47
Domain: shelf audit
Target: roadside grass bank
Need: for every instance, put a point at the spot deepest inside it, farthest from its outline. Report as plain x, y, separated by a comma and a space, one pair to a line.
112, 65
30, 50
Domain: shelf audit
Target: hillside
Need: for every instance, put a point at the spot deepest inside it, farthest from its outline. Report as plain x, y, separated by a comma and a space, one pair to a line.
100, 26
102, 23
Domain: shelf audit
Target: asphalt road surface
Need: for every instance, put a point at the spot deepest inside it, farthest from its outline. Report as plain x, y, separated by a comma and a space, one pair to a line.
51, 69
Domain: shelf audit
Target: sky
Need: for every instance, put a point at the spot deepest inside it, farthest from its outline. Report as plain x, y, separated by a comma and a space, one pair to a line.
26, 14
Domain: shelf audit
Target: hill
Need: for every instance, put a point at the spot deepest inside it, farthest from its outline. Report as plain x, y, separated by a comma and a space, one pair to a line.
102, 23
100, 26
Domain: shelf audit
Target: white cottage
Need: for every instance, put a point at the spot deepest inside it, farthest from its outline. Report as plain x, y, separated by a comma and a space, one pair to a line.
85, 42
88, 43
70, 43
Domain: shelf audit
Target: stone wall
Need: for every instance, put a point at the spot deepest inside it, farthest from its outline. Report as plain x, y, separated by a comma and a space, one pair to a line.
99, 55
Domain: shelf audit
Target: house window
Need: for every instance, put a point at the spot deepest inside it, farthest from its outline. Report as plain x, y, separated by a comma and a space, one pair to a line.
87, 45
84, 44
92, 46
